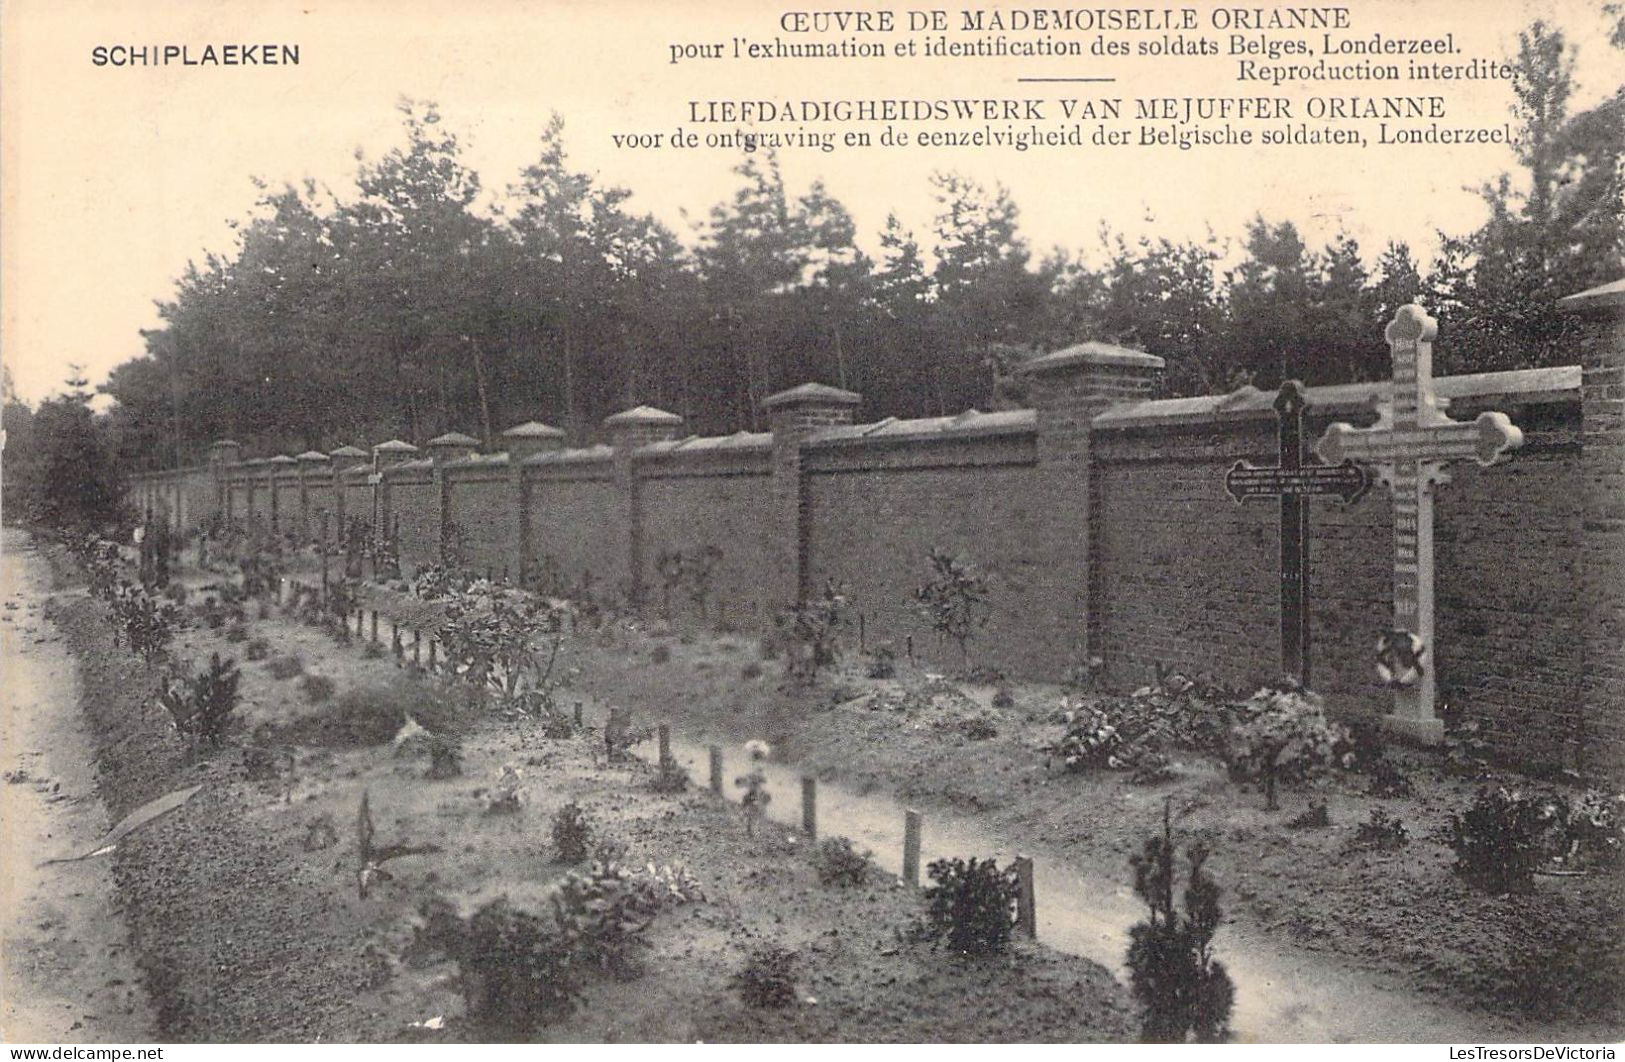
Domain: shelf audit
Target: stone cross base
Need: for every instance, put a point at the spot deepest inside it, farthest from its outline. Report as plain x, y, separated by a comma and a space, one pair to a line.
1424, 732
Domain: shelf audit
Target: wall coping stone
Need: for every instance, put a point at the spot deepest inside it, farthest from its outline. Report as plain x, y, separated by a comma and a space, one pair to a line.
578, 454
1556, 384
970, 424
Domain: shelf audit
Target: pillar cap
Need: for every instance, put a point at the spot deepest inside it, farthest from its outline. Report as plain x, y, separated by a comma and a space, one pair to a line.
533, 429
640, 415
312, 457
454, 438
1091, 355
280, 459
812, 394
394, 446
349, 451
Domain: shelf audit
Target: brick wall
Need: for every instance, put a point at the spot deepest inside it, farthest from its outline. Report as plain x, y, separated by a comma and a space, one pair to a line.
477, 502
567, 529
690, 503
1190, 580
1100, 519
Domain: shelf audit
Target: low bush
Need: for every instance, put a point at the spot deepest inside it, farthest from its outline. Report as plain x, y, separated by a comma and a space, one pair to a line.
1316, 817
882, 662
516, 968
1004, 697
1498, 841
1388, 782
283, 668
1281, 735
235, 633
838, 862
1381, 832
445, 757
768, 978
752, 670
571, 834
201, 705
605, 911
979, 728
972, 905
669, 777
257, 649
317, 688
661, 654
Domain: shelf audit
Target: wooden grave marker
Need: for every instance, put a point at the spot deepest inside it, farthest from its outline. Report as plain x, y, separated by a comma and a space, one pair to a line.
1294, 483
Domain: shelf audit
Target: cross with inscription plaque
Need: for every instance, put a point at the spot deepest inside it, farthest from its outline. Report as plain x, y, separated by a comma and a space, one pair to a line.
1294, 482
1408, 446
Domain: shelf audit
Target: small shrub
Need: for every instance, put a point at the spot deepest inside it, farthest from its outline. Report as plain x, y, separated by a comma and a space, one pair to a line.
372, 651
669, 778
1282, 735
605, 911
954, 600
752, 670
1388, 782
767, 979
1181, 988
517, 969
810, 630
445, 757
1595, 827
258, 649
317, 688
264, 610
1498, 840
661, 654
1380, 833
972, 905
283, 668
839, 863
1317, 817
571, 833
201, 705
507, 797
883, 662
979, 728
237, 632
1003, 697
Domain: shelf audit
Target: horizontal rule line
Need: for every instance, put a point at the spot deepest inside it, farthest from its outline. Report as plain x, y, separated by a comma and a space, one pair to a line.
1088, 80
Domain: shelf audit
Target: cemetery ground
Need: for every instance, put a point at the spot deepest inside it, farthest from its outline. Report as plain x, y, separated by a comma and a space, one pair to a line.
244, 905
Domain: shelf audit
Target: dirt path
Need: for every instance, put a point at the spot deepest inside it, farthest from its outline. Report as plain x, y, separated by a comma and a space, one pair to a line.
66, 974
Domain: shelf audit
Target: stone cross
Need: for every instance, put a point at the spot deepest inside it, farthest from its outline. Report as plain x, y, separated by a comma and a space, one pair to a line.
1408, 446
1294, 482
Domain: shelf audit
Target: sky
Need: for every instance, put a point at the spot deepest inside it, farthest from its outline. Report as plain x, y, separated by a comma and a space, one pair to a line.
113, 178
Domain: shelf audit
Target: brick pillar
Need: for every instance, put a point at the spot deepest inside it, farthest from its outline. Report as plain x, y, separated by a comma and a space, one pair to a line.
342, 460
1068, 389
794, 416
629, 431
524, 441
385, 456
445, 450
1601, 314
223, 456
276, 467
313, 465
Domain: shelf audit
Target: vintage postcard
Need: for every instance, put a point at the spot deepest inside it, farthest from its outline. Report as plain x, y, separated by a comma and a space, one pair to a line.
661, 522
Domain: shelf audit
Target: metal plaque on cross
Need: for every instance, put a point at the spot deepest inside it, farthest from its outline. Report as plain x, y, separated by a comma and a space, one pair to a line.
1408, 446
1293, 482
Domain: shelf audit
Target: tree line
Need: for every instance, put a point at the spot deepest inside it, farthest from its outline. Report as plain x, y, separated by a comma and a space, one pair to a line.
404, 309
